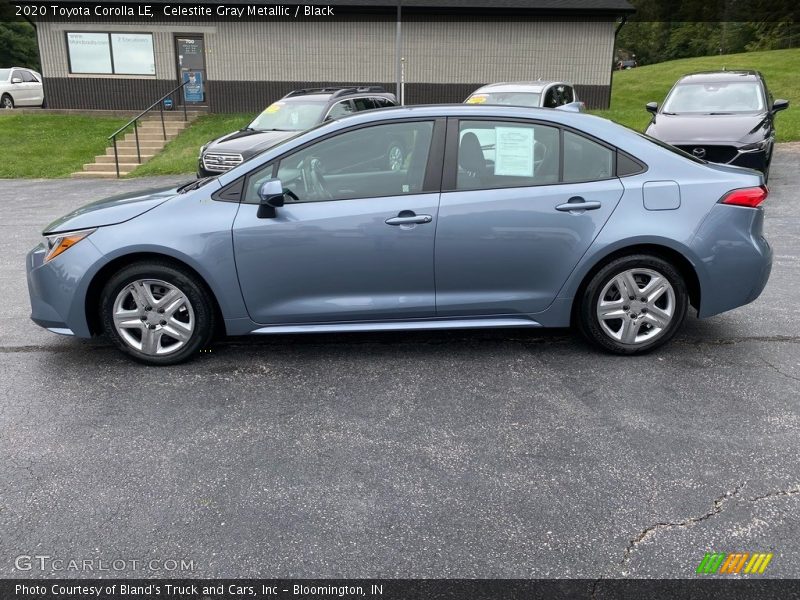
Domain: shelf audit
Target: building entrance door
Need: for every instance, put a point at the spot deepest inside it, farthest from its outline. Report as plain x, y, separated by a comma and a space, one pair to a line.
190, 50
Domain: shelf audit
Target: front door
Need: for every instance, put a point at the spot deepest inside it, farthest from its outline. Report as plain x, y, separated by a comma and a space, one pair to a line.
515, 223
190, 51
357, 244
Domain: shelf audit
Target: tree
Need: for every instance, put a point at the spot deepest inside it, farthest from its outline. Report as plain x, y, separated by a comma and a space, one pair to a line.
18, 46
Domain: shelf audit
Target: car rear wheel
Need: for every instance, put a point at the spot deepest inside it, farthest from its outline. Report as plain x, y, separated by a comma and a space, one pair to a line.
633, 304
7, 101
157, 313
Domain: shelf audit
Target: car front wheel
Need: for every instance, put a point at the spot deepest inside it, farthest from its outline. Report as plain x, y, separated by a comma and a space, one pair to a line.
633, 304
157, 313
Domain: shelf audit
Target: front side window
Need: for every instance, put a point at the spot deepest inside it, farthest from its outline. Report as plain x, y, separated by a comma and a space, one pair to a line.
494, 154
92, 53
17, 75
29, 77
362, 163
715, 98
340, 109
363, 104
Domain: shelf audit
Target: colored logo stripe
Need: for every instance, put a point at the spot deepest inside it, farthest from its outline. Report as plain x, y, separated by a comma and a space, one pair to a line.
720, 562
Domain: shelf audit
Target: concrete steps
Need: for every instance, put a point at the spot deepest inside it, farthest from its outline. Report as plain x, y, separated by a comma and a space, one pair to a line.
151, 141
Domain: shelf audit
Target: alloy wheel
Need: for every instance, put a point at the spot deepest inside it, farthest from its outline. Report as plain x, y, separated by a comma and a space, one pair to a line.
396, 158
636, 306
153, 317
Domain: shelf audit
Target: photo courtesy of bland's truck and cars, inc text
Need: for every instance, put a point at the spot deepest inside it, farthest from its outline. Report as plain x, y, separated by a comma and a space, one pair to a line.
420, 299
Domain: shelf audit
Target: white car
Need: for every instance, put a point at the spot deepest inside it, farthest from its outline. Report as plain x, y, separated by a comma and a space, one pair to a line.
20, 87
547, 94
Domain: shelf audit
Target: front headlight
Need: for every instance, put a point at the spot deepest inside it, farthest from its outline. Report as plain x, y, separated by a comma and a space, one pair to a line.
60, 242
202, 149
755, 147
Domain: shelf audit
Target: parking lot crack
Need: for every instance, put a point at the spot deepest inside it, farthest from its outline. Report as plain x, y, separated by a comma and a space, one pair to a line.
653, 530
779, 494
778, 370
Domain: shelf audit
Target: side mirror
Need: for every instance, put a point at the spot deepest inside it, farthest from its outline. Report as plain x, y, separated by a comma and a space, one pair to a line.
780, 105
16, 80
271, 196
652, 107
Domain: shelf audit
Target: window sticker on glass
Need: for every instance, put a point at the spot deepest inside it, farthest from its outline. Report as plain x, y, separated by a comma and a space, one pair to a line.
514, 151
477, 99
273, 108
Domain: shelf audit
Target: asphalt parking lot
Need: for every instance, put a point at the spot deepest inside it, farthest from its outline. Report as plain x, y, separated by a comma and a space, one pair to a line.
510, 454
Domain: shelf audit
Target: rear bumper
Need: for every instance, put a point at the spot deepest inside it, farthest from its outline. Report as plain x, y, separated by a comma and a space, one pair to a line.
736, 258
57, 289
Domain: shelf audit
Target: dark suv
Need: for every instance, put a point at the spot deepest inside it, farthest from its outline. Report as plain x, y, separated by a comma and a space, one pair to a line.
720, 116
295, 112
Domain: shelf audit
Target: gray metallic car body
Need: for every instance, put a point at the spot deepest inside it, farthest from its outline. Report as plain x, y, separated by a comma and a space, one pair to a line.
499, 259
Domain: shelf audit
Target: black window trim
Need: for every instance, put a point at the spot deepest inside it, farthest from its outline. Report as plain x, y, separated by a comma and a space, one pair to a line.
450, 173
110, 52
431, 183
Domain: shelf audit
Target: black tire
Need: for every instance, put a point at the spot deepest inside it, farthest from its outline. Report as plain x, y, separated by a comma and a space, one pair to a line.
44, 102
589, 323
6, 101
200, 301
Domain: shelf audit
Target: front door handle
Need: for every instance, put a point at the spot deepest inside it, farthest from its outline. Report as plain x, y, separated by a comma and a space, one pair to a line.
576, 204
409, 220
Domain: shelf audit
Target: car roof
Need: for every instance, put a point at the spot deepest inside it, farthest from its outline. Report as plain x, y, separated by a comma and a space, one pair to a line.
720, 76
517, 86
329, 93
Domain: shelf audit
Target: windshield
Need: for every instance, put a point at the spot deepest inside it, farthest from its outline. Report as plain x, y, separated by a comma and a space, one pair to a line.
715, 98
4, 73
529, 99
289, 116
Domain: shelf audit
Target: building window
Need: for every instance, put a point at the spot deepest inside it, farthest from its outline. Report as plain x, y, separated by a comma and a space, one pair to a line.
111, 53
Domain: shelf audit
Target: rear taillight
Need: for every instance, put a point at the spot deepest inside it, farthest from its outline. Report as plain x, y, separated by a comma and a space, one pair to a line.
750, 197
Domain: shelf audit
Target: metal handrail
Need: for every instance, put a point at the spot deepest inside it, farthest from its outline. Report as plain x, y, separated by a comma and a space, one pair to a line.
135, 122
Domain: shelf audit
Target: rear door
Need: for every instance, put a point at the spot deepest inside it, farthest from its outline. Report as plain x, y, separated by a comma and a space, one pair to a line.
513, 221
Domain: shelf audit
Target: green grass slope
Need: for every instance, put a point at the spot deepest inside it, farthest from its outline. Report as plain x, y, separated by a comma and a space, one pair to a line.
51, 145
634, 88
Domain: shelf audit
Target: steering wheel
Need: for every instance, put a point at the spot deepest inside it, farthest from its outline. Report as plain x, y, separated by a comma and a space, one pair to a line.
314, 180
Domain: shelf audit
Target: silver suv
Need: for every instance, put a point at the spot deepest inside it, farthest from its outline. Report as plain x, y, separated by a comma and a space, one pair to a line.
296, 111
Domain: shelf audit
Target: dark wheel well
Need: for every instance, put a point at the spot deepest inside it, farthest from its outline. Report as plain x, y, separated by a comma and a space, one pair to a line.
101, 278
672, 256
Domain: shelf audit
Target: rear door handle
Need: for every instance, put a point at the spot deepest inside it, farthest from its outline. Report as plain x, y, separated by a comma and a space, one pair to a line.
410, 220
578, 205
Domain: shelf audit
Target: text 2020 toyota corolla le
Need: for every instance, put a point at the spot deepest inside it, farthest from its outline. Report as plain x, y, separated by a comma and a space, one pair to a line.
499, 217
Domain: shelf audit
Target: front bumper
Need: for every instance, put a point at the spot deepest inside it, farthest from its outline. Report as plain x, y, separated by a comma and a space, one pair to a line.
57, 289
736, 258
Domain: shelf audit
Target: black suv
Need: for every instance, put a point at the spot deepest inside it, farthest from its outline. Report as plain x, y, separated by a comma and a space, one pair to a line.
720, 116
295, 112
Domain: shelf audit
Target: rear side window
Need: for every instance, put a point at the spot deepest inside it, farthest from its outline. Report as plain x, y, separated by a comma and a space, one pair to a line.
496, 154
585, 160
383, 102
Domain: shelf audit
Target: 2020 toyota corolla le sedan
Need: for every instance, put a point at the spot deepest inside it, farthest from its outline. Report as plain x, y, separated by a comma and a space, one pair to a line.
499, 217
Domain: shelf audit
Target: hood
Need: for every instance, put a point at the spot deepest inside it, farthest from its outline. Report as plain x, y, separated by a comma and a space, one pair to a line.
111, 210
676, 129
247, 142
